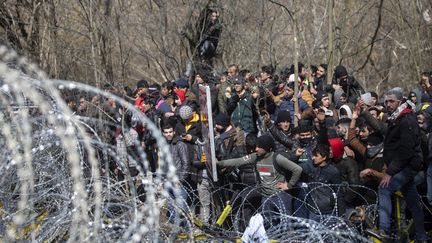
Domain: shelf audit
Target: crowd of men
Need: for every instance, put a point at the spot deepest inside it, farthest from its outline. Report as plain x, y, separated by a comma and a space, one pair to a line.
273, 155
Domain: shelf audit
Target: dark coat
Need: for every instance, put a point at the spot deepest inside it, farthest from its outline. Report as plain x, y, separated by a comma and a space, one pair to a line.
230, 144
283, 141
402, 144
322, 196
180, 156
194, 149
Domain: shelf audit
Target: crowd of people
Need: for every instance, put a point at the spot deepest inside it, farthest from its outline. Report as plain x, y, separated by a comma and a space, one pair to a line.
275, 146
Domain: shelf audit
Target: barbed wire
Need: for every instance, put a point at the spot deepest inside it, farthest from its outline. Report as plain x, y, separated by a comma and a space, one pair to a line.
57, 183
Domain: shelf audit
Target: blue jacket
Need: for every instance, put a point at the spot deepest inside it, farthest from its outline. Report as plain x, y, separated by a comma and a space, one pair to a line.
288, 105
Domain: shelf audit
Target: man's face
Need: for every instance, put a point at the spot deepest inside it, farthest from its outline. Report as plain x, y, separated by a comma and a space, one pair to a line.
280, 88
341, 130
232, 71
318, 159
285, 125
320, 72
111, 102
219, 128
165, 91
364, 133
374, 113
326, 101
142, 91
146, 106
72, 105
223, 79
214, 16
264, 76
260, 151
302, 72
168, 134
421, 120
374, 101
199, 79
255, 95
238, 87
289, 92
305, 135
343, 81
82, 105
343, 99
391, 102
424, 79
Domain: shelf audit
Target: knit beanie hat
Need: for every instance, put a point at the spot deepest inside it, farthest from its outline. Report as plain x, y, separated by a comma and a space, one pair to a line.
222, 119
283, 116
321, 95
181, 83
337, 147
142, 84
266, 142
340, 71
185, 112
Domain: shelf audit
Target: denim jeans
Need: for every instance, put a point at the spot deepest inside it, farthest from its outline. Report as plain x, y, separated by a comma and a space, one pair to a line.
178, 205
402, 181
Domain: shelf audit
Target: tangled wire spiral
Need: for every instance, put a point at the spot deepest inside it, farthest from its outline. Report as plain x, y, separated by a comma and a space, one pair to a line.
55, 183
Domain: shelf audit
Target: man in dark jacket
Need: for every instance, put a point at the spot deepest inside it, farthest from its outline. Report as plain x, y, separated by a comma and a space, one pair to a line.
344, 83
281, 131
321, 77
230, 141
322, 176
402, 154
191, 129
179, 153
266, 78
229, 144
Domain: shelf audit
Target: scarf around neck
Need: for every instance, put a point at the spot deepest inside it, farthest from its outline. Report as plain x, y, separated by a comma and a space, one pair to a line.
401, 110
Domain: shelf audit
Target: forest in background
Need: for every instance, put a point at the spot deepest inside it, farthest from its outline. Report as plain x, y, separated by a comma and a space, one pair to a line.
383, 43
